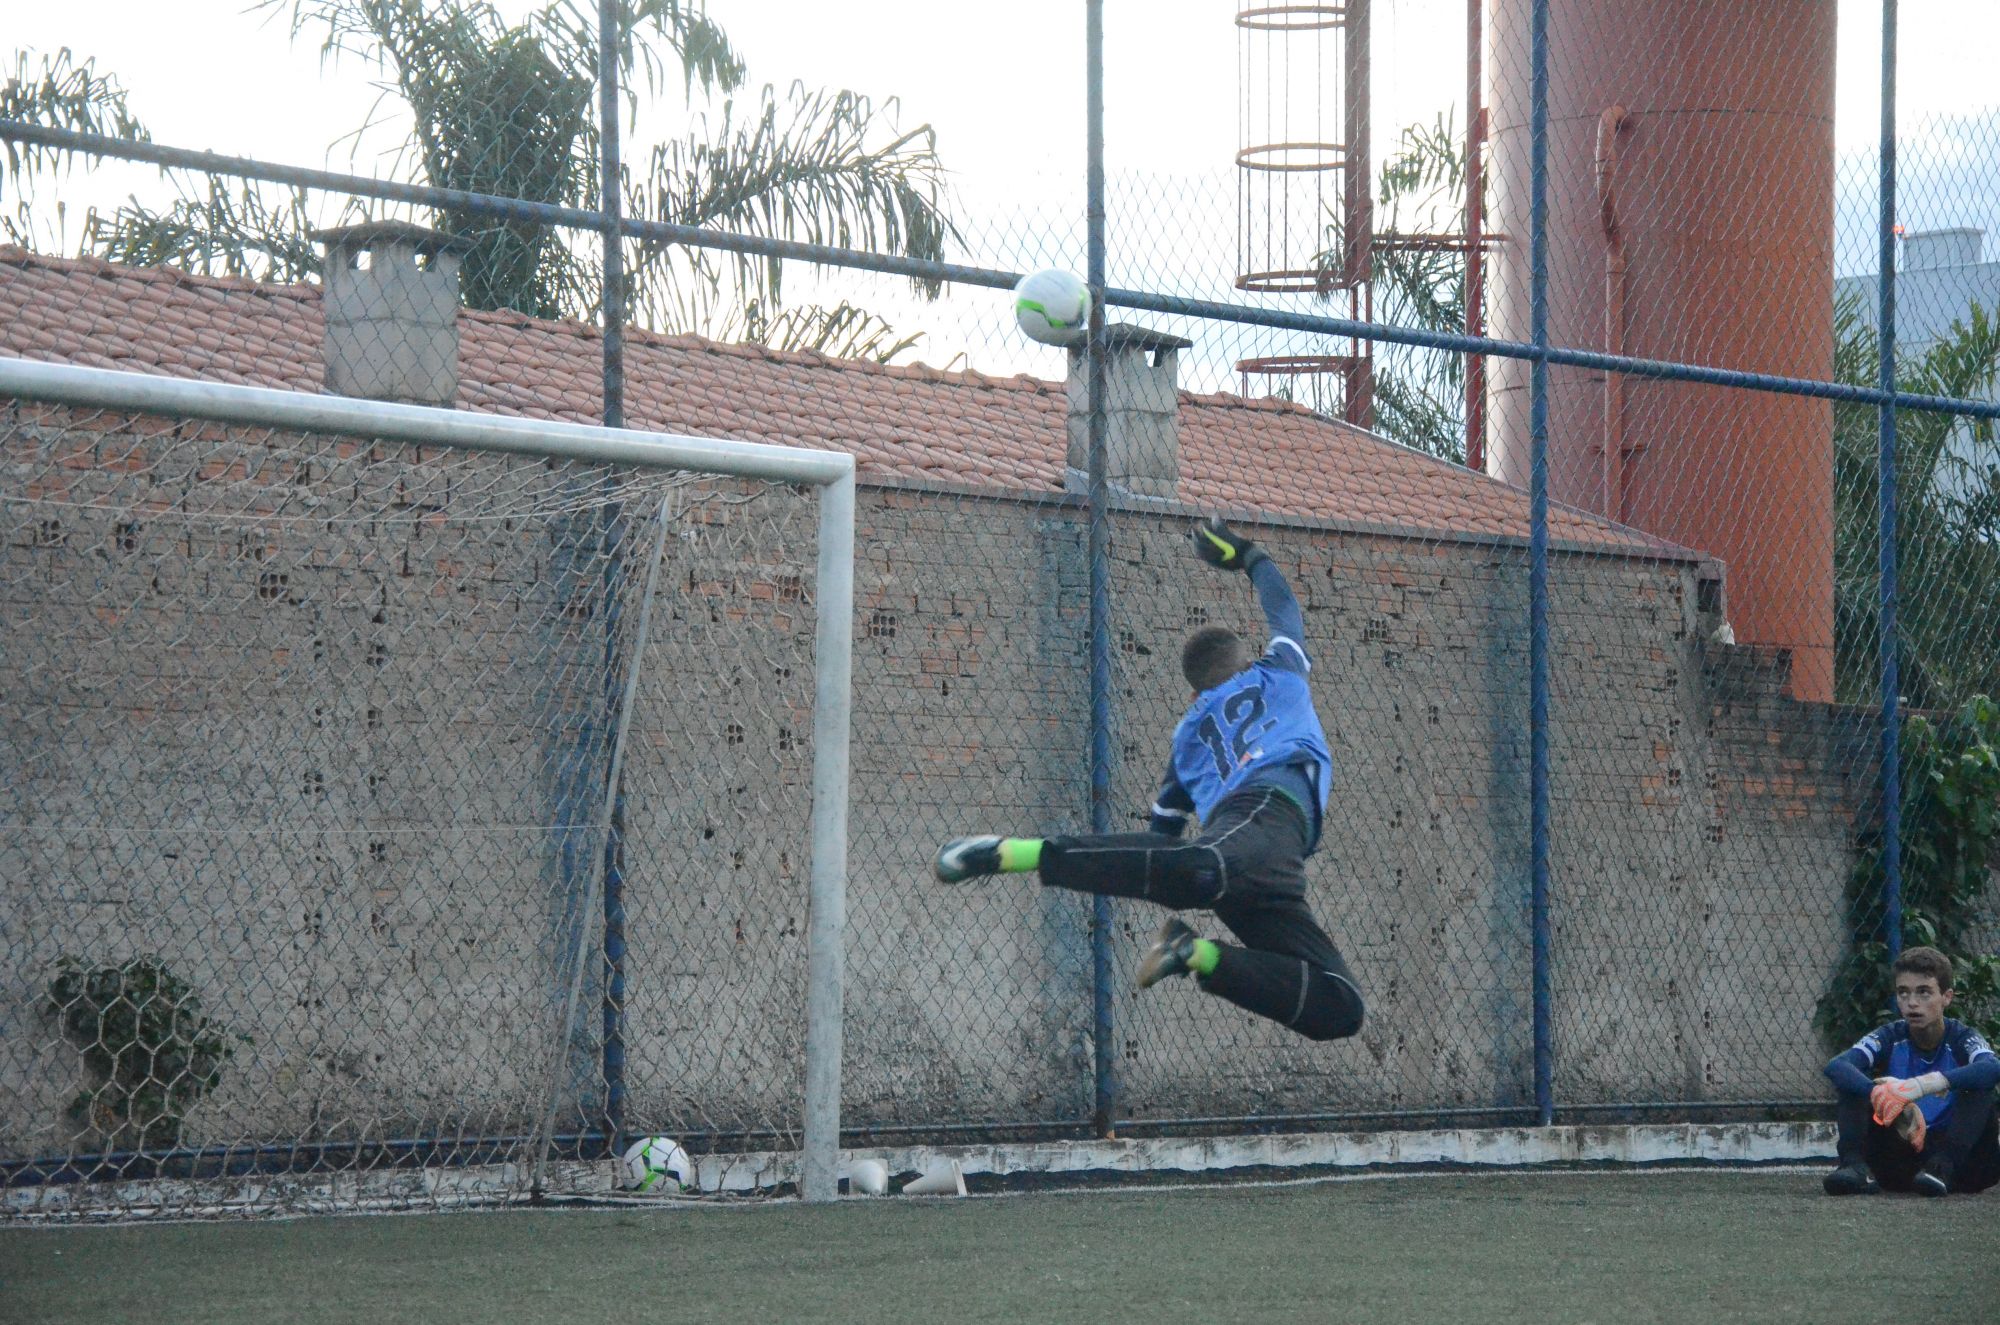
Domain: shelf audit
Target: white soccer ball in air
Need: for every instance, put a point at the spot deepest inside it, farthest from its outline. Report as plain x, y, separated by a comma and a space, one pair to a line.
657, 1164
1053, 307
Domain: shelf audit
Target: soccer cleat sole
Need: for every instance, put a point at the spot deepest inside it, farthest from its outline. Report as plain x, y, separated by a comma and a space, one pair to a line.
965, 858
1169, 954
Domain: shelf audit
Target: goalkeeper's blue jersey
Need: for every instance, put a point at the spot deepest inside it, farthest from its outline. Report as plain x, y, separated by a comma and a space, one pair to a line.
1257, 727
1888, 1051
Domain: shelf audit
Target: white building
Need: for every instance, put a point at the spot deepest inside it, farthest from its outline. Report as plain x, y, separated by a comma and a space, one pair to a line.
1940, 276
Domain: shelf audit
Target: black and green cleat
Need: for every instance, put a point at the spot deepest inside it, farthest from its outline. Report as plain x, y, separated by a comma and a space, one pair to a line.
965, 858
1172, 953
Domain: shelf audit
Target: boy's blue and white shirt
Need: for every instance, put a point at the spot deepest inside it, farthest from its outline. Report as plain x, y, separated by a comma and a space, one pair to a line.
1888, 1051
1258, 720
1257, 728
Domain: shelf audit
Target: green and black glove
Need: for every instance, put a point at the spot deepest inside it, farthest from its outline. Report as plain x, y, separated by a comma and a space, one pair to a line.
1219, 545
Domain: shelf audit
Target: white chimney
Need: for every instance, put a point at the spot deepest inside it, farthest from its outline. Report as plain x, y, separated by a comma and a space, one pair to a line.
1956, 246
1142, 450
391, 304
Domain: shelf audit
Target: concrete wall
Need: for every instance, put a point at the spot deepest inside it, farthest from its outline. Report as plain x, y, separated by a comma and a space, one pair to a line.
334, 801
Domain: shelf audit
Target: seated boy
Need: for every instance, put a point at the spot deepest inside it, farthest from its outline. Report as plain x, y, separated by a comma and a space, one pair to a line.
1916, 1095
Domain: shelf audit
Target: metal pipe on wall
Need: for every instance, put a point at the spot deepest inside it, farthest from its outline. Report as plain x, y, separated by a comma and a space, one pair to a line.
1608, 125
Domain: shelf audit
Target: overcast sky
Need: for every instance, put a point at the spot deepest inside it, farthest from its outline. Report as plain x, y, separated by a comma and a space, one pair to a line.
1004, 88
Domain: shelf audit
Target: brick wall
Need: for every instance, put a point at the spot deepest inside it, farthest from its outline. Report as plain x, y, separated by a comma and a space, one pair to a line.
319, 761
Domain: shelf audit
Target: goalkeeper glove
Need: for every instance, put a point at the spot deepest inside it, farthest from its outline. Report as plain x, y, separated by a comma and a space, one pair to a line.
1911, 1127
1894, 1103
1911, 1089
1892, 1110
1219, 545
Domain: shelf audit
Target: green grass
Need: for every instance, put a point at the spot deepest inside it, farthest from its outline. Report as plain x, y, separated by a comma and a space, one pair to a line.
1627, 1248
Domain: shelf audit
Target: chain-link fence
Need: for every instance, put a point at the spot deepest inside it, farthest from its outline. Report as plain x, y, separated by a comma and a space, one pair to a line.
1561, 405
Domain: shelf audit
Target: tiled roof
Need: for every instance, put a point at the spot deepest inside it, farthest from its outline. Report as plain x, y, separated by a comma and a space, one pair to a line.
903, 422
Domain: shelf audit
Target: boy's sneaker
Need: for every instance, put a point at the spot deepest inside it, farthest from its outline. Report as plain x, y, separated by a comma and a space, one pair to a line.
1933, 1179
1849, 1180
1172, 950
965, 858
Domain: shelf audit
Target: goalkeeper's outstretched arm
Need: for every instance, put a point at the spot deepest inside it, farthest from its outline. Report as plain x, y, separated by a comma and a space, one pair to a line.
1219, 545
1281, 607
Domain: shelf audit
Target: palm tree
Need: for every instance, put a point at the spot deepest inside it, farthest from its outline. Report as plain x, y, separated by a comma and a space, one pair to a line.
509, 109
1419, 394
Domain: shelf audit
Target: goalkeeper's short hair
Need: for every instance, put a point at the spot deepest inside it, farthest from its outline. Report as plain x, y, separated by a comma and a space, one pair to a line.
1924, 961
1212, 655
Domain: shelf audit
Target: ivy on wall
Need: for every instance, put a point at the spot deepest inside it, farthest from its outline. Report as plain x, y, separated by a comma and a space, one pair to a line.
145, 1038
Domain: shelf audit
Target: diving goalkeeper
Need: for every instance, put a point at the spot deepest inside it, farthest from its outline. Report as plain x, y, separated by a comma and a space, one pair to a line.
1250, 762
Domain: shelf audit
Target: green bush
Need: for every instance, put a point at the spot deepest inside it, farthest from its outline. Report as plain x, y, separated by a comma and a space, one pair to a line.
145, 1037
1951, 811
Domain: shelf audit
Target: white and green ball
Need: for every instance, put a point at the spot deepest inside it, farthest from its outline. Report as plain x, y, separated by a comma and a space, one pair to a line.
657, 1164
1053, 307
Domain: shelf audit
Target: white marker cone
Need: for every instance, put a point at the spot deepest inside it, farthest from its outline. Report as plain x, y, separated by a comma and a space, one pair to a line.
868, 1177
945, 1179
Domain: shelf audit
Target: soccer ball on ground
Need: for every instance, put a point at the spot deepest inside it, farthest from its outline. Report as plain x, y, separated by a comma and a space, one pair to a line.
1053, 307
656, 1164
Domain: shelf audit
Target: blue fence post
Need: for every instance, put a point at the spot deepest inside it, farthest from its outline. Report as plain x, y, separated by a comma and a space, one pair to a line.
610, 200
1105, 1085
1892, 778
1538, 558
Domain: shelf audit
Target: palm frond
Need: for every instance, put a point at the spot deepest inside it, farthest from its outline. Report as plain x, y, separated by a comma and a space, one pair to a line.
228, 229
510, 108
56, 92
810, 167
840, 332
1421, 412
1419, 394
702, 49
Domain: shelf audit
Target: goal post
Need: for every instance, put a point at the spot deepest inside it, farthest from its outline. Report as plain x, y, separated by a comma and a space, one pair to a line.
829, 475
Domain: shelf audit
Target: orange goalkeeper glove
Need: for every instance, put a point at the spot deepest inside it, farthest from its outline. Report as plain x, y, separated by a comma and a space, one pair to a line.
1894, 1103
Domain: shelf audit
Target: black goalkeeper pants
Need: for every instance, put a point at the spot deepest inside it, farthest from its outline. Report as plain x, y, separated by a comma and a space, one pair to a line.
1969, 1141
1248, 867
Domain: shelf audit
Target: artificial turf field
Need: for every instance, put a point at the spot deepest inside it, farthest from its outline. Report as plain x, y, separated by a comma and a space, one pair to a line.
1546, 1248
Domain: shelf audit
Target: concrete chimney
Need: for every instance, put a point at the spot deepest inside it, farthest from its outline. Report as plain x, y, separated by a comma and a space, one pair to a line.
1142, 411
391, 304
1957, 246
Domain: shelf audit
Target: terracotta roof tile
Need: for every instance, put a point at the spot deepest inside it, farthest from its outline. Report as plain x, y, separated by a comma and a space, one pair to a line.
904, 421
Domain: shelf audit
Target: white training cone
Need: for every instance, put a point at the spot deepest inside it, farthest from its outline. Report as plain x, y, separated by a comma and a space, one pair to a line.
868, 1177
945, 1179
